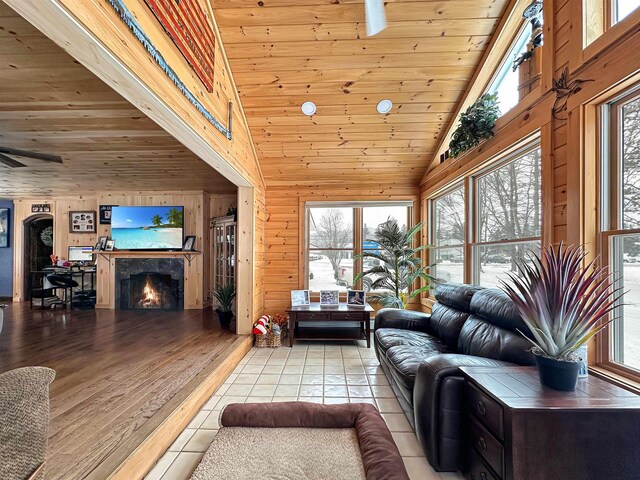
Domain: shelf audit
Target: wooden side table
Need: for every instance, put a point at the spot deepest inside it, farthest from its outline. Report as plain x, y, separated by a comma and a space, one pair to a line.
333, 314
519, 430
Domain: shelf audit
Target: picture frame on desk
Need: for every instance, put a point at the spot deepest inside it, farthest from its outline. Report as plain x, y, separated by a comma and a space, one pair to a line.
356, 298
111, 244
102, 242
329, 297
300, 298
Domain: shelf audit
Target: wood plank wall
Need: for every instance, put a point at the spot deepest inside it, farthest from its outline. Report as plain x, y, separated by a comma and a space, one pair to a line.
103, 23
199, 207
285, 230
569, 144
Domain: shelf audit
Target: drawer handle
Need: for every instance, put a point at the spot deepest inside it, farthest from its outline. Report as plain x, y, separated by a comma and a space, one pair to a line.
312, 315
482, 443
482, 410
483, 476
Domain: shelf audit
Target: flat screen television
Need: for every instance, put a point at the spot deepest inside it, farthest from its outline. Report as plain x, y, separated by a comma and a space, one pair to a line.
147, 227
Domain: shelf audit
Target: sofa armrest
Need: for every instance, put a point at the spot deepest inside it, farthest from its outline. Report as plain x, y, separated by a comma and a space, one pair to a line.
403, 319
438, 402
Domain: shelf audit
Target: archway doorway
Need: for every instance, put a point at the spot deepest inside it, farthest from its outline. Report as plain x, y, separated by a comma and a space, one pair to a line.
38, 247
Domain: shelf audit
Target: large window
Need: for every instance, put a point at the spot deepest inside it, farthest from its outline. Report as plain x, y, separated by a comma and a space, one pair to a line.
508, 218
507, 81
621, 223
448, 236
622, 8
336, 233
477, 238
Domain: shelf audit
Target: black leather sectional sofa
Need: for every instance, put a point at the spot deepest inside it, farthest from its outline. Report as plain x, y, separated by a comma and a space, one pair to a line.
421, 354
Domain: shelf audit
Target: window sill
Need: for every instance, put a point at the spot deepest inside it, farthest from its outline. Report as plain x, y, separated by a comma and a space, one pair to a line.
615, 377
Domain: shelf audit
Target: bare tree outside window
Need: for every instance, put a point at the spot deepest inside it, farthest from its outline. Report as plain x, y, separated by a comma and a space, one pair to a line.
332, 232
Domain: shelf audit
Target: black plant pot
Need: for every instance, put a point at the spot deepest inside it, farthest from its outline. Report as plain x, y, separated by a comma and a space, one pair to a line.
557, 374
224, 317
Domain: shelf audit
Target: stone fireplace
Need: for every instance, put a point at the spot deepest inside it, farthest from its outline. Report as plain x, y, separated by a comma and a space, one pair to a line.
149, 283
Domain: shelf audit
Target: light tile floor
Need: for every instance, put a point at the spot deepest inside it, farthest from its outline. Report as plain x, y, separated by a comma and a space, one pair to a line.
311, 372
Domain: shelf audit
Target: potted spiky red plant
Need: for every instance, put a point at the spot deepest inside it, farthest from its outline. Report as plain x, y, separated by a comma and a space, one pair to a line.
564, 305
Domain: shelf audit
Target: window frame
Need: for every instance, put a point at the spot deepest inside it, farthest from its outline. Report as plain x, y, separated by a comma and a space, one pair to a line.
469, 182
610, 220
506, 62
358, 224
431, 224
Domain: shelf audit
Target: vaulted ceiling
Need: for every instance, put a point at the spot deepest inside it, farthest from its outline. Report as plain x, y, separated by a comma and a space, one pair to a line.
49, 103
285, 52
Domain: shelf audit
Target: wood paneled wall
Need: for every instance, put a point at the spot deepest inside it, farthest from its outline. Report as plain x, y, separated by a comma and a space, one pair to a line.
569, 143
285, 231
198, 207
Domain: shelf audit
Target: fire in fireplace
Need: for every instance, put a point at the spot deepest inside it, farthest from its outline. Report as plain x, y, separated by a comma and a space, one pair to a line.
150, 290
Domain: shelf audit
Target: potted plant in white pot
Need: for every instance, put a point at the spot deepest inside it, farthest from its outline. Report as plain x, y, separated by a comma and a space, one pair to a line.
564, 305
224, 295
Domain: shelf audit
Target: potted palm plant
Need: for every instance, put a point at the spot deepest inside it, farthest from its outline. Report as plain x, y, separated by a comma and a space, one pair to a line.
399, 266
224, 295
564, 305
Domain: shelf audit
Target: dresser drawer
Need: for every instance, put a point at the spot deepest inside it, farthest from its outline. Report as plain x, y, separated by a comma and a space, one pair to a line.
478, 470
486, 410
487, 446
315, 316
348, 316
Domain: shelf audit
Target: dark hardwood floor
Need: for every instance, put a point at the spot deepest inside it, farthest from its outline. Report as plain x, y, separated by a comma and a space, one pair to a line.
115, 369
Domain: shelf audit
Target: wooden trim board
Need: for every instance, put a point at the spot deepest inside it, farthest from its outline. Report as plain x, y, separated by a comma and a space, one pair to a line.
137, 455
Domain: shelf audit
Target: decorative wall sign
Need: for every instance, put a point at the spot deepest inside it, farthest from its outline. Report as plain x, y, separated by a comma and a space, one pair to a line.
188, 27
4, 227
105, 214
41, 208
564, 89
82, 222
128, 18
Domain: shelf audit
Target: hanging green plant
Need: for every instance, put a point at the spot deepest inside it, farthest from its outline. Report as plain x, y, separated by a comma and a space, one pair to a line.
476, 124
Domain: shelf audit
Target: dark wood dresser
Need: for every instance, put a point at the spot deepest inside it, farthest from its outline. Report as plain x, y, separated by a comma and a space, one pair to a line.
334, 314
519, 430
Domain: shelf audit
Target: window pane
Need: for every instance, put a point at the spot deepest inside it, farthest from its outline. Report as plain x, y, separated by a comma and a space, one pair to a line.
330, 270
447, 264
374, 216
449, 219
626, 338
507, 81
509, 200
496, 261
622, 8
630, 150
330, 227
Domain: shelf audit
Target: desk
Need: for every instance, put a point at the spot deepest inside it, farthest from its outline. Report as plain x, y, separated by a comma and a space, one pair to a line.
333, 314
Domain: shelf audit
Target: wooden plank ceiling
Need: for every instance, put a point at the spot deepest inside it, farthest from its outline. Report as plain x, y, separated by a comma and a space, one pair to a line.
285, 52
49, 103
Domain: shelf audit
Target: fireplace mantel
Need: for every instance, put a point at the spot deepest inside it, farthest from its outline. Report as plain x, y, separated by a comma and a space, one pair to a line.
193, 271
189, 255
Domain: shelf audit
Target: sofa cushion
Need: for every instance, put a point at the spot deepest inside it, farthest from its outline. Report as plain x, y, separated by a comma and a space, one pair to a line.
446, 323
391, 337
497, 308
456, 295
404, 360
483, 339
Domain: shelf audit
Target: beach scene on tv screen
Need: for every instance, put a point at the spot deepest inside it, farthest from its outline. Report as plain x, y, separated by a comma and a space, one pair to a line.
147, 228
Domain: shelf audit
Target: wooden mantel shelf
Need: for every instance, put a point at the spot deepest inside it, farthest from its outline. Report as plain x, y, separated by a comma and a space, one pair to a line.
147, 253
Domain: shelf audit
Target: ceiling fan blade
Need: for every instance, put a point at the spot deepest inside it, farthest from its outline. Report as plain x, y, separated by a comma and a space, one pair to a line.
10, 162
28, 154
375, 17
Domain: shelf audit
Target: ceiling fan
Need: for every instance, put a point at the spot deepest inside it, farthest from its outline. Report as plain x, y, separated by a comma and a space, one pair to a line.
375, 17
12, 163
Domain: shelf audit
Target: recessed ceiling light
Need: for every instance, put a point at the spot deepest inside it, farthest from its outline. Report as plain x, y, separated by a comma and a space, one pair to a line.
384, 106
308, 108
